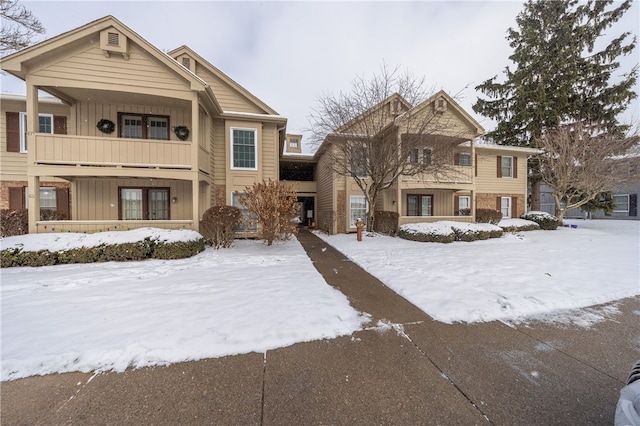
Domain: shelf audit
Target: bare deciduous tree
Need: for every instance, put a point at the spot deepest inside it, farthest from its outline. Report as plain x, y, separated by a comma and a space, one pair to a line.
18, 28
383, 129
579, 165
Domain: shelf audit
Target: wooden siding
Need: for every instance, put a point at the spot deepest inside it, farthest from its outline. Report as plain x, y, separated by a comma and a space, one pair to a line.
14, 164
325, 208
87, 115
89, 68
228, 98
97, 199
488, 181
92, 151
220, 151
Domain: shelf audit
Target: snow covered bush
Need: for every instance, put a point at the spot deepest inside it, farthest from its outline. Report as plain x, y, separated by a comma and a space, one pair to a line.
385, 222
219, 224
177, 249
545, 220
447, 232
427, 232
517, 225
488, 216
66, 248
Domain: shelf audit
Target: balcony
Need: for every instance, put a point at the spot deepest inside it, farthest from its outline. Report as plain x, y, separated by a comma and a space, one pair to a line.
89, 151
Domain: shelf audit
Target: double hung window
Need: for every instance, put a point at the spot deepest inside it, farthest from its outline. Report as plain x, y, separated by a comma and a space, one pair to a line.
244, 149
357, 209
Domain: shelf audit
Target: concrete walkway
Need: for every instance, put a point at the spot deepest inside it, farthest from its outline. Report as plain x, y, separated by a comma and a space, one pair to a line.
413, 370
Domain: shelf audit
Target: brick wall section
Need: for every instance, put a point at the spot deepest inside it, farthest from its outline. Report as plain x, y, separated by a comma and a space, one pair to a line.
488, 201
219, 195
341, 211
6, 184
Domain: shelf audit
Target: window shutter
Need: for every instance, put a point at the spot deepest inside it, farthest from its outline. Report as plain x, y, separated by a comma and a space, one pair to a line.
499, 204
633, 205
62, 201
456, 205
456, 159
499, 166
13, 131
59, 125
514, 207
16, 198
515, 167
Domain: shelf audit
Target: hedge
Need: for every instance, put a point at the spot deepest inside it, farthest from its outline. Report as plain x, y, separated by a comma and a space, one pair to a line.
104, 253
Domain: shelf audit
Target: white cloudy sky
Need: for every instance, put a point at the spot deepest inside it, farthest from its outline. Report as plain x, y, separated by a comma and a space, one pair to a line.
290, 53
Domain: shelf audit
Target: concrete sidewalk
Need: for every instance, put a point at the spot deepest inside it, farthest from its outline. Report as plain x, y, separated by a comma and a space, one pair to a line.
405, 369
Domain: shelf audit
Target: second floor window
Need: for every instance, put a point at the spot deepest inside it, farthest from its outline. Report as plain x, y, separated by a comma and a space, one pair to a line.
463, 159
45, 125
415, 157
244, 149
507, 167
144, 126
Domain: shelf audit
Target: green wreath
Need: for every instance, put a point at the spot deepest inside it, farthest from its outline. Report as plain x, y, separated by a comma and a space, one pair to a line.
182, 132
106, 126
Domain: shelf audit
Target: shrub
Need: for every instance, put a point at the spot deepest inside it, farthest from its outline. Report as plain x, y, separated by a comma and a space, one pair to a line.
177, 249
219, 224
14, 222
48, 214
81, 255
416, 232
127, 251
488, 216
464, 212
546, 220
385, 222
272, 205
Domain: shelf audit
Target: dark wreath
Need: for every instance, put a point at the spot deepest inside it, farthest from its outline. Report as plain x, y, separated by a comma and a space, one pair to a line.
106, 126
182, 132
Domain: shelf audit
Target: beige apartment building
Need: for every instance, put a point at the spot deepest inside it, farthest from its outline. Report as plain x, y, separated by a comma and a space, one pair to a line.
129, 136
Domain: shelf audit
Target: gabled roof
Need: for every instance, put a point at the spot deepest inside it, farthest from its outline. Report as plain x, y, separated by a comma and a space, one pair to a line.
182, 50
450, 102
18, 63
390, 100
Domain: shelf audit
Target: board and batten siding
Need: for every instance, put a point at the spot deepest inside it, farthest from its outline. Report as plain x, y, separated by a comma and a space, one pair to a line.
325, 202
89, 68
228, 98
87, 115
98, 198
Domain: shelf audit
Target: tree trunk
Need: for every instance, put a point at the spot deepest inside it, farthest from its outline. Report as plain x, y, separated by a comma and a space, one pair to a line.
535, 196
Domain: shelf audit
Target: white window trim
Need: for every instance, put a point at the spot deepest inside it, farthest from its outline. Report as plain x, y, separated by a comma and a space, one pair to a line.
464, 197
243, 227
255, 147
23, 129
615, 210
510, 169
508, 216
26, 195
366, 206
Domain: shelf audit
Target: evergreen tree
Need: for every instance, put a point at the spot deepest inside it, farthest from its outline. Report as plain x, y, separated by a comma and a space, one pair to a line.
560, 75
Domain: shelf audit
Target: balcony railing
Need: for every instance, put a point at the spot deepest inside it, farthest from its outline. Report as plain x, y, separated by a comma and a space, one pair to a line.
75, 150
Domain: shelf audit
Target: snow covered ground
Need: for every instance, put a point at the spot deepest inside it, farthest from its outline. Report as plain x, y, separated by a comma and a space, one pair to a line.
109, 316
251, 297
521, 275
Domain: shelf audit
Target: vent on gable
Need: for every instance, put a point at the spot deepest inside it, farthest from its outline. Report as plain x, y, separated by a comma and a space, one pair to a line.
187, 62
113, 41
440, 105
